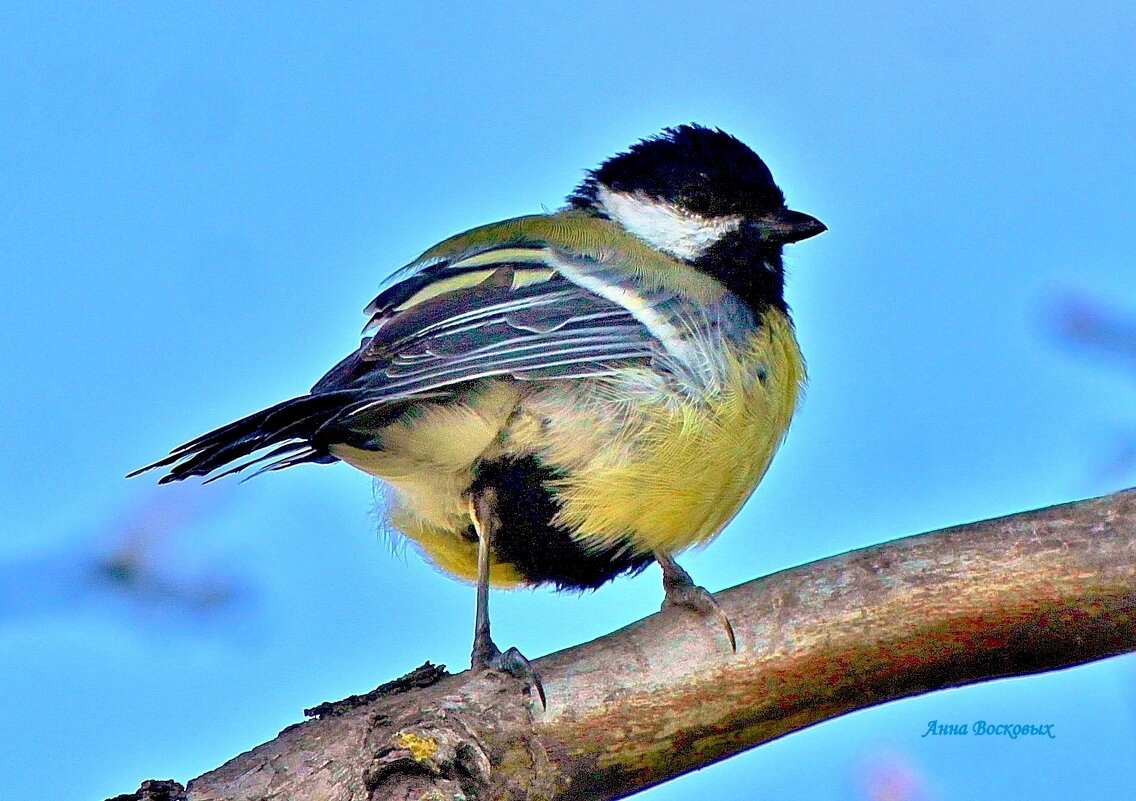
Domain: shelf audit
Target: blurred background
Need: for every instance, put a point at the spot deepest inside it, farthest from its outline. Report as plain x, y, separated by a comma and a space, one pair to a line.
196, 202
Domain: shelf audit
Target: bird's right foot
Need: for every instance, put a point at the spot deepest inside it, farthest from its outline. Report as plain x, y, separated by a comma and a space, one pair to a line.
681, 591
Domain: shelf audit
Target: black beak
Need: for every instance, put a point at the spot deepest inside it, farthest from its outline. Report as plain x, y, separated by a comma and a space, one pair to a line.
785, 226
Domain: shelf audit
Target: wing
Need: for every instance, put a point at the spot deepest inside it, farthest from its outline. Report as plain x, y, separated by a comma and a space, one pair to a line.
509, 312
530, 307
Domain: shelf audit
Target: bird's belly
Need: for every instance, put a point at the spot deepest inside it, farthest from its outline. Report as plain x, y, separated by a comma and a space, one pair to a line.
427, 462
591, 479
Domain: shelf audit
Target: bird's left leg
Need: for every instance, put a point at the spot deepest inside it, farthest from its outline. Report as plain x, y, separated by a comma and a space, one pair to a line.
486, 654
681, 590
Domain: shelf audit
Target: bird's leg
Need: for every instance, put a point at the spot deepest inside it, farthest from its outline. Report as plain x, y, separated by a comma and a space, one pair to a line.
484, 522
486, 654
681, 590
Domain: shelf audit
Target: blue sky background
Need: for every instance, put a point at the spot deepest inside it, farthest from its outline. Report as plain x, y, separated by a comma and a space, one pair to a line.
196, 203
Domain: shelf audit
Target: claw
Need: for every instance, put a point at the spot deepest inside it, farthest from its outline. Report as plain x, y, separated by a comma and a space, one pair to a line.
682, 591
516, 664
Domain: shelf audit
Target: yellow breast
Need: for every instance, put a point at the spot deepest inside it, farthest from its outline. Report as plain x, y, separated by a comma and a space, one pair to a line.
675, 476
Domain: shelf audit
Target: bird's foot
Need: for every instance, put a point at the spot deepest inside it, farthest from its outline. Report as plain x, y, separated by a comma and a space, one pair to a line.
682, 591
487, 656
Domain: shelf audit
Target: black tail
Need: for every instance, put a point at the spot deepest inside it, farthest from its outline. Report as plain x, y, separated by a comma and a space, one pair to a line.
293, 426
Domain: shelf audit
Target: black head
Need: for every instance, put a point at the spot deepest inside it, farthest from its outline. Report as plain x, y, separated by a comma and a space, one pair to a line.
703, 170
703, 196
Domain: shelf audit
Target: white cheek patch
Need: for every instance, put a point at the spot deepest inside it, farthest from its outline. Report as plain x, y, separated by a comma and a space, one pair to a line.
663, 225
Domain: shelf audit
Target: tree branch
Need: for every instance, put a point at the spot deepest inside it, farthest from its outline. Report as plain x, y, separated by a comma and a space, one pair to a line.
1007, 597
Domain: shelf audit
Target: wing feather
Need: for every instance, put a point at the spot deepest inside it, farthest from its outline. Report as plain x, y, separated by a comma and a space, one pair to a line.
511, 312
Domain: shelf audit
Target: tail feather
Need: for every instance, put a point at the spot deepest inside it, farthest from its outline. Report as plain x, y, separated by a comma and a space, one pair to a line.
297, 452
290, 425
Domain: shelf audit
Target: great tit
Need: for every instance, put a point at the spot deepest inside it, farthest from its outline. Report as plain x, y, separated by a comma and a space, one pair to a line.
564, 398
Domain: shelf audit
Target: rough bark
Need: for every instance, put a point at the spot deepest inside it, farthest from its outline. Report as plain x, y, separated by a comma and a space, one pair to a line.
1006, 597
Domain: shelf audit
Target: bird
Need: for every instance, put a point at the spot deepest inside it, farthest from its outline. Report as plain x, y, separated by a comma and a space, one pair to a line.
567, 397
